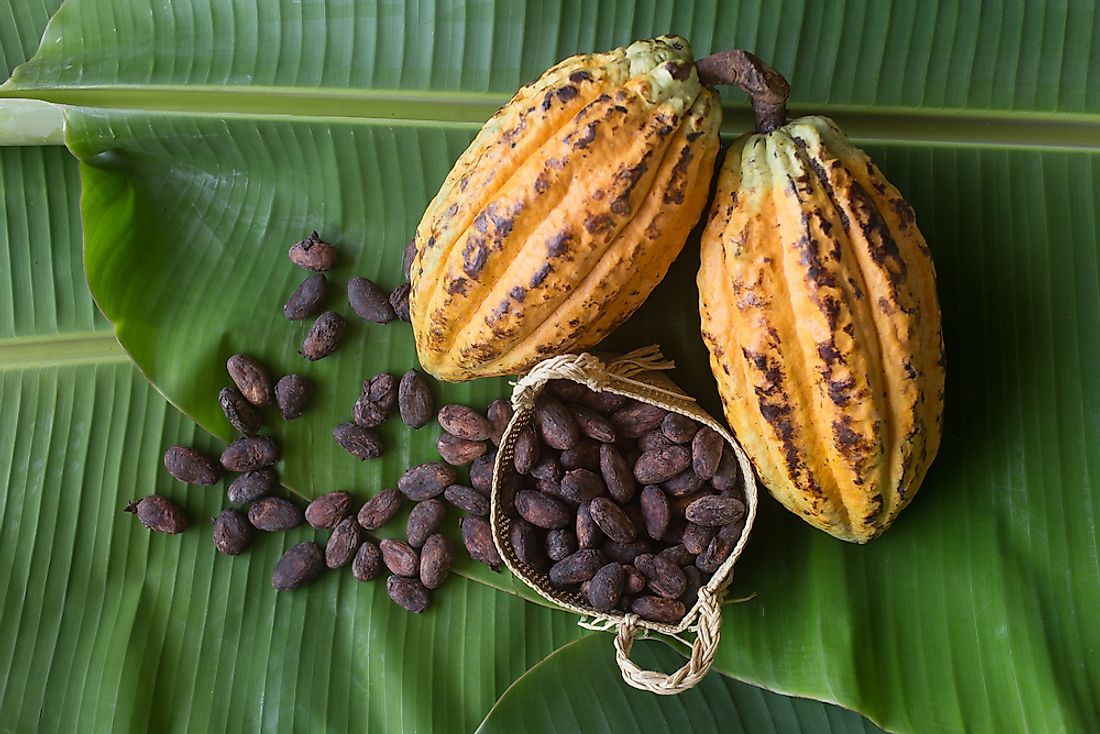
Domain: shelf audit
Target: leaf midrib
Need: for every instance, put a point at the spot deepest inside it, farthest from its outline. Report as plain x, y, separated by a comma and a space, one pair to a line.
902, 125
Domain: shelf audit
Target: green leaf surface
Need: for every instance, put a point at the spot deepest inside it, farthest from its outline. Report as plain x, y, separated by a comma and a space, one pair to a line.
21, 25
579, 688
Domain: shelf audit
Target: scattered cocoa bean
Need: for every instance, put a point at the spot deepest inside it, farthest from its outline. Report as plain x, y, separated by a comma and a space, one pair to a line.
541, 510
425, 519
663, 576
343, 544
458, 451
655, 440
481, 473
313, 253
477, 536
679, 428
525, 544
592, 424
636, 418
399, 301
380, 509
726, 478
566, 390
585, 455
603, 402
328, 510
426, 481
467, 499
240, 413
252, 485
588, 532
548, 469
606, 587
274, 514
191, 466
715, 510
556, 424
683, 484
250, 453
612, 520
658, 609
159, 513
720, 548
575, 568
500, 414
368, 562
362, 443
324, 336
369, 301
581, 485
251, 379
408, 593
464, 422
436, 560
617, 474
624, 552
300, 565
698, 537
408, 258
307, 298
634, 581
292, 394
414, 400
376, 400
400, 558
232, 533
706, 452
694, 583
674, 534
655, 511
525, 454
678, 554
660, 465
560, 543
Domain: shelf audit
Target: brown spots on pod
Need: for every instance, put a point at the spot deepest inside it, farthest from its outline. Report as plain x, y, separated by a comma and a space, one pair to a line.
458, 286
474, 256
541, 275
518, 293
558, 244
565, 94
599, 223
906, 215
451, 210
580, 76
541, 183
587, 137
677, 181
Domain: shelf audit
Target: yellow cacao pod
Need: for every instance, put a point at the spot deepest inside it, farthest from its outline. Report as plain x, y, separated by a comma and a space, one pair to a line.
565, 211
818, 305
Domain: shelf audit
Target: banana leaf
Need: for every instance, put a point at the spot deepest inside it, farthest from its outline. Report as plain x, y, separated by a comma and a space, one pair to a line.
210, 139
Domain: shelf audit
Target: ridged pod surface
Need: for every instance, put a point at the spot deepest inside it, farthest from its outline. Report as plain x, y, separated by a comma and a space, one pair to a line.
818, 305
565, 211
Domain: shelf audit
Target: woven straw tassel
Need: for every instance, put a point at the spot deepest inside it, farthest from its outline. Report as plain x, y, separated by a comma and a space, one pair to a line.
635, 375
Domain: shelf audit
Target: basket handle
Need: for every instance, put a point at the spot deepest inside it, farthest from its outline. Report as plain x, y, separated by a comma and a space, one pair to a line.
698, 665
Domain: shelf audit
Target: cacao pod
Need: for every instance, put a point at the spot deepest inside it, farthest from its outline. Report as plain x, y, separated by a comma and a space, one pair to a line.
565, 211
818, 305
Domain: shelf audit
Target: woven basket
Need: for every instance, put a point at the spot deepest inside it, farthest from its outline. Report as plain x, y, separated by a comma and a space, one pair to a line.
635, 375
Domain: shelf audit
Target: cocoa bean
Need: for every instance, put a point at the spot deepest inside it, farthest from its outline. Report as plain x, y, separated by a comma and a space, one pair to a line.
674, 534
399, 301
313, 253
654, 440
706, 452
548, 469
633, 580
585, 455
606, 587
726, 478
425, 519
458, 451
481, 473
307, 298
500, 415
376, 401
694, 583
367, 563
624, 552
575, 568
380, 509
679, 428
252, 485
159, 513
714, 510
436, 560
655, 511
588, 532
581, 485
560, 543
426, 481
636, 419
274, 514
525, 544
251, 379
329, 509
611, 519
525, 453
191, 466
362, 443
407, 593
602, 402
240, 413
369, 301
408, 258
660, 465
678, 554
541, 510
720, 548
698, 537
467, 499
477, 536
400, 558
250, 453
464, 422
663, 576
566, 390
617, 474
414, 400
556, 424
324, 336
292, 395
626, 601
683, 484
300, 565
232, 533
592, 424
658, 609
343, 543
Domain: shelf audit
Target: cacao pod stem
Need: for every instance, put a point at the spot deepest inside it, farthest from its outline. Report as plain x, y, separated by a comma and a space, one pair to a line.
765, 86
